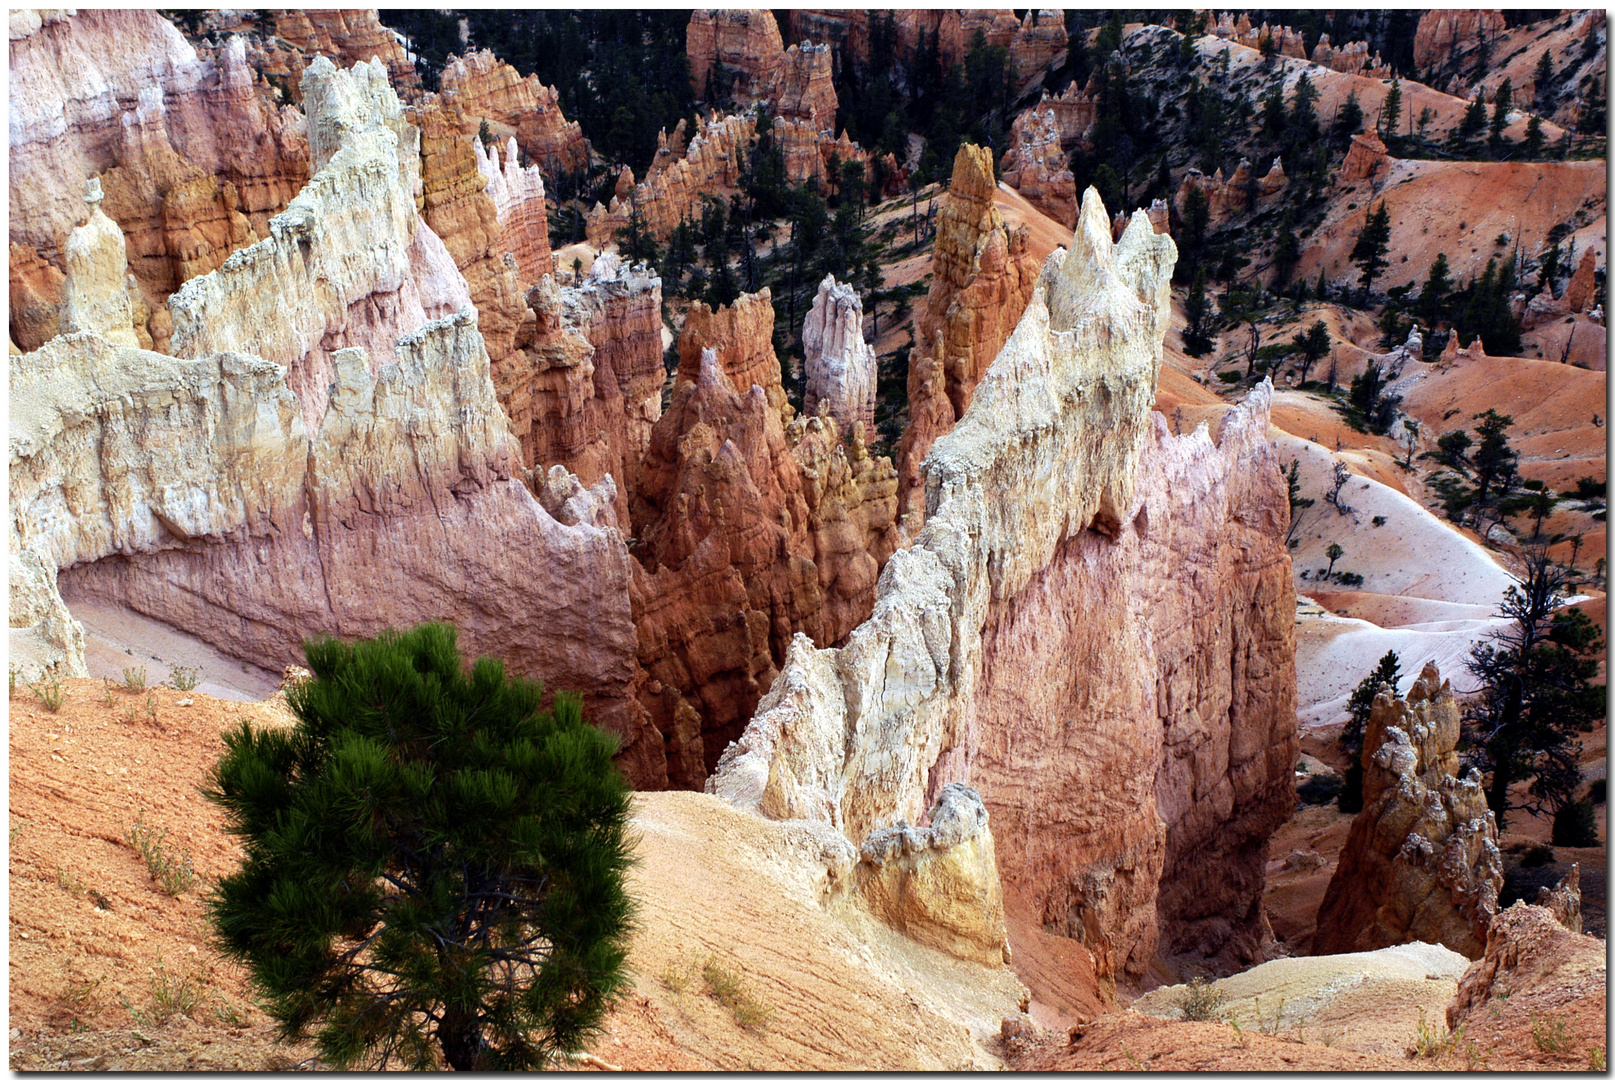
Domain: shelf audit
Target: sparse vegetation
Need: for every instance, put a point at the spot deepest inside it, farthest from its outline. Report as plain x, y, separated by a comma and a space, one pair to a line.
1549, 1034
1201, 1001
50, 692
184, 679
173, 873
78, 1001
729, 988
1575, 824
134, 679
171, 995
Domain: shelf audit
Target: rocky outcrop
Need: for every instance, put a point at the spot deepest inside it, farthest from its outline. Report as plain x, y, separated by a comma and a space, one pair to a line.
751, 526
36, 298
1038, 165
347, 37
737, 50
807, 87
1285, 41
1532, 958
939, 883
1421, 862
710, 166
983, 280
1366, 159
486, 88
1043, 606
1236, 196
1583, 283
1075, 112
1039, 44
193, 160
350, 262
845, 30
1447, 38
95, 298
518, 198
840, 364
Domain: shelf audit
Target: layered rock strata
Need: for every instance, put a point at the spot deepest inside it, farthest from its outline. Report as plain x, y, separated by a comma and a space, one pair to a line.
1039, 44
1445, 38
983, 280
347, 37
95, 297
518, 197
840, 363
1237, 195
750, 526
193, 159
486, 88
807, 85
349, 264
1421, 861
1044, 606
737, 49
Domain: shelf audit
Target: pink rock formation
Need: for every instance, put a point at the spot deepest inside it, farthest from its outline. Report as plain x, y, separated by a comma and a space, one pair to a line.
811, 152
489, 89
807, 90
983, 279
518, 198
845, 30
1038, 165
672, 193
1445, 36
36, 298
1366, 158
739, 47
1043, 606
1238, 195
1075, 112
348, 37
1531, 953
840, 365
1039, 44
1421, 862
750, 528
1582, 285
194, 162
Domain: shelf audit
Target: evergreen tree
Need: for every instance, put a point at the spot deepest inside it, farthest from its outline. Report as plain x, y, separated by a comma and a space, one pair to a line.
1543, 76
1369, 405
1391, 111
1349, 120
1298, 505
1493, 456
1361, 703
1286, 253
1550, 268
1197, 309
1500, 109
1313, 345
1303, 123
1536, 692
1534, 138
431, 862
1372, 243
1474, 121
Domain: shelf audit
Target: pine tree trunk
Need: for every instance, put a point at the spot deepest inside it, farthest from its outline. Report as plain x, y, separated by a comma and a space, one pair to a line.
461, 1038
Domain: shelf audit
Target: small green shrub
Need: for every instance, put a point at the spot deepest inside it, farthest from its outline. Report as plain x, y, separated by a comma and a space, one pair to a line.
1575, 825
172, 874
171, 996
728, 988
184, 679
134, 679
1537, 855
50, 692
1598, 791
1549, 1034
1201, 1001
1320, 790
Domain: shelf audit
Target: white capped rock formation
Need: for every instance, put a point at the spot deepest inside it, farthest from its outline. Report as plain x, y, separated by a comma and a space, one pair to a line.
95, 298
840, 363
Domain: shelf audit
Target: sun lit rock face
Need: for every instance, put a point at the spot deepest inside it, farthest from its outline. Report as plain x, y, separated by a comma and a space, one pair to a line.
487, 88
1039, 637
1421, 862
840, 363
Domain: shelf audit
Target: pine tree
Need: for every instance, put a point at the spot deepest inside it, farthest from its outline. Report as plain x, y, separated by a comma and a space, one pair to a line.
1313, 345
1550, 268
1349, 120
1361, 703
1196, 309
1391, 111
1372, 243
1500, 109
1536, 691
1286, 253
1543, 76
1493, 455
1534, 138
1474, 121
1303, 110
431, 862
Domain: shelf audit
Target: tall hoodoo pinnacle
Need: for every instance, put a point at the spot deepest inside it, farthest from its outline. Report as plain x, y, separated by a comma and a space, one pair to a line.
94, 294
840, 364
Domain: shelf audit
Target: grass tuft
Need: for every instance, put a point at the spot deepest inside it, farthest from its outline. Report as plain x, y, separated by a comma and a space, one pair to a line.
1201, 1001
174, 874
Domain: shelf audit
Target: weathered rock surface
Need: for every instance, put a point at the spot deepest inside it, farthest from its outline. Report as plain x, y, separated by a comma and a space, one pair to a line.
1421, 861
350, 262
95, 298
807, 88
1530, 954
1056, 493
36, 298
710, 166
486, 88
840, 363
983, 280
193, 159
1039, 44
1038, 165
518, 197
348, 37
939, 883
751, 527
1366, 158
1445, 36
1238, 195
739, 48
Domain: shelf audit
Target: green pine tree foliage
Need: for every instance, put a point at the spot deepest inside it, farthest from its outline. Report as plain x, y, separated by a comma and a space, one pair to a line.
1372, 244
1361, 703
433, 864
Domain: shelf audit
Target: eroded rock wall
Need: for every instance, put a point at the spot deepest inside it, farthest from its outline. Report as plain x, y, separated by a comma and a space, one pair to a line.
193, 158
672, 193
486, 88
1421, 861
738, 48
1038, 165
840, 363
1130, 727
983, 278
